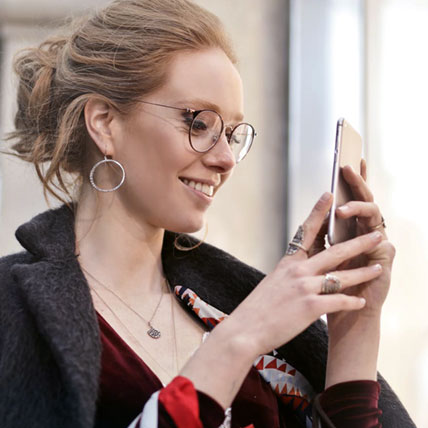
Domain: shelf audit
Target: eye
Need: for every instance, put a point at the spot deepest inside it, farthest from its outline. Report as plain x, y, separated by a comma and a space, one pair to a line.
187, 119
233, 136
199, 125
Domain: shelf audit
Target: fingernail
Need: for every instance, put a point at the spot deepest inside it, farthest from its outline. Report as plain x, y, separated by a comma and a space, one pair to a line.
344, 208
375, 235
325, 197
377, 267
363, 301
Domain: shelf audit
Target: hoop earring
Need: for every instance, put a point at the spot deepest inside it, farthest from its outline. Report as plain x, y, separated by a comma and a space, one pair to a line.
106, 160
180, 247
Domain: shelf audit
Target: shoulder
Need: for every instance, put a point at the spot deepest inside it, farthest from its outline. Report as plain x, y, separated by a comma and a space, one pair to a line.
7, 281
7, 263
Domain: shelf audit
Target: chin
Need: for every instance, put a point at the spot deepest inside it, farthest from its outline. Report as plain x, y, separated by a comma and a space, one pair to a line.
188, 225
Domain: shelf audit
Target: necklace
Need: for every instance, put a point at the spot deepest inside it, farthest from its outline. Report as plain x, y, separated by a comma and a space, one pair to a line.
152, 332
155, 360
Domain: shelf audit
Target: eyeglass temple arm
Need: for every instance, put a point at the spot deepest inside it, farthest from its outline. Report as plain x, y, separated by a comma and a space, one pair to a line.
188, 110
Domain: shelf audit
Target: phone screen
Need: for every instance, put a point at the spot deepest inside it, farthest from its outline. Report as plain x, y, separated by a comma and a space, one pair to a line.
348, 151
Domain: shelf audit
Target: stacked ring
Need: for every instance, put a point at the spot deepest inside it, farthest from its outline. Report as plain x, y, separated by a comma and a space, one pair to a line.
330, 284
296, 243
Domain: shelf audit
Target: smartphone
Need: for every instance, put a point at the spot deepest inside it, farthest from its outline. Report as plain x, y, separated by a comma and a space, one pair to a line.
347, 151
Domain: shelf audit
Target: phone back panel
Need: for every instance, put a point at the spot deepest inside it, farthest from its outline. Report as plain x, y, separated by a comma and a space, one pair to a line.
348, 151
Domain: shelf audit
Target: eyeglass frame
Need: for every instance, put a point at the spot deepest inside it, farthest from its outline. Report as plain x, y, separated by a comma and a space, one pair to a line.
195, 113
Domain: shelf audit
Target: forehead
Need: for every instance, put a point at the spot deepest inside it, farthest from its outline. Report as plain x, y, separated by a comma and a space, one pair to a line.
205, 76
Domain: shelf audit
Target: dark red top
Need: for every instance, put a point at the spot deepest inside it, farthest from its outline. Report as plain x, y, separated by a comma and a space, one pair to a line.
127, 383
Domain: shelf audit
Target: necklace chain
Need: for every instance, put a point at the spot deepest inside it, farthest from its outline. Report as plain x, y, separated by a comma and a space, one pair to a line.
147, 322
152, 332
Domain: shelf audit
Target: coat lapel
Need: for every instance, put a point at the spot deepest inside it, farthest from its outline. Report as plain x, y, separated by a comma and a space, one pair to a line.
58, 297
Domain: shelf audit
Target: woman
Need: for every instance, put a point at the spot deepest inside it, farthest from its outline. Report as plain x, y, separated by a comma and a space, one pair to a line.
142, 104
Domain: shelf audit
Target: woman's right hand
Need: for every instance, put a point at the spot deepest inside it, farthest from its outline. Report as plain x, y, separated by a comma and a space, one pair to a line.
289, 299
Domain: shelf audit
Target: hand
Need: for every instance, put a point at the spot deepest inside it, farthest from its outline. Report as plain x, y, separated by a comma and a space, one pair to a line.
354, 337
368, 216
288, 300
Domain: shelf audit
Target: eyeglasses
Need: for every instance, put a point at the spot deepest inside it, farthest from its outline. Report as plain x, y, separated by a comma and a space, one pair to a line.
206, 127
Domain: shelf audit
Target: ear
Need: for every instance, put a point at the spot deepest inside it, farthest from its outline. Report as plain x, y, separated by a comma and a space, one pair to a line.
99, 115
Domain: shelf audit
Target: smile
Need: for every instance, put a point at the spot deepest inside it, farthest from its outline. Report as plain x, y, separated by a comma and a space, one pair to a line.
200, 187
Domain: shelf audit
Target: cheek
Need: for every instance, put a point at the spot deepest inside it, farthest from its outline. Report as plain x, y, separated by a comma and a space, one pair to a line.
153, 162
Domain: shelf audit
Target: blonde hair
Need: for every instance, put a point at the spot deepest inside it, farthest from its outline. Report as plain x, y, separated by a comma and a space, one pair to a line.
119, 53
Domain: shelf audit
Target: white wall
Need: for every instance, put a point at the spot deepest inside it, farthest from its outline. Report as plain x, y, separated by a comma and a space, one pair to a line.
368, 61
397, 111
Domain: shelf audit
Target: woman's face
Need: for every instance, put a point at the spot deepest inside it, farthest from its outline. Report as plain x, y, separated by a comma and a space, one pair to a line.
152, 143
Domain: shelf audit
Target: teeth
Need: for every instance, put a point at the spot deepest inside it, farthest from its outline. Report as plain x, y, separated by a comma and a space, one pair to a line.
206, 189
201, 187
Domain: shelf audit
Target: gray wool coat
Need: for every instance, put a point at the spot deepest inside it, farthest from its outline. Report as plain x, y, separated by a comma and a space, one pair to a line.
50, 347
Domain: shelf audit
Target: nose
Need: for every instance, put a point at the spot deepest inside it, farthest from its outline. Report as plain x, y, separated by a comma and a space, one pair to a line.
220, 157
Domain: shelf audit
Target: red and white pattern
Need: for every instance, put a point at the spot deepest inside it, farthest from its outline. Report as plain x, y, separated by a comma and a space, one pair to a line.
210, 315
179, 397
286, 381
180, 400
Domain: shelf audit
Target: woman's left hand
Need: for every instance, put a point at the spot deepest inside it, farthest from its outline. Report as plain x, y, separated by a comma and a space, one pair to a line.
354, 336
369, 218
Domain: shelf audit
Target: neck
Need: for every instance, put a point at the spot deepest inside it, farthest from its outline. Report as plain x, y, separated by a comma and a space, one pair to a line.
117, 248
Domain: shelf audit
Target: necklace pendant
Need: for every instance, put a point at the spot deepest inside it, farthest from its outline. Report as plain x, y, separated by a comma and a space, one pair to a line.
153, 333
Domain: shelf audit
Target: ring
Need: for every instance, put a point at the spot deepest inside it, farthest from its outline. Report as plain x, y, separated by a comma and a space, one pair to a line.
330, 284
296, 243
379, 226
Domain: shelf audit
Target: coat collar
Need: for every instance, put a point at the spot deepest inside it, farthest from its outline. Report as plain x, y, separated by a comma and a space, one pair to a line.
213, 274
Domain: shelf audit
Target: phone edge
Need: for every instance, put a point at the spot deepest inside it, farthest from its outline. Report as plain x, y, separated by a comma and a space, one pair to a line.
334, 179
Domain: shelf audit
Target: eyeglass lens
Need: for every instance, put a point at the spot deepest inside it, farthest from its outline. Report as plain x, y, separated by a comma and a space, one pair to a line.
206, 129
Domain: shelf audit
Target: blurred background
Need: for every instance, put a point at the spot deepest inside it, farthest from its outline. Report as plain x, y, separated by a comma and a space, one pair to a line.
304, 64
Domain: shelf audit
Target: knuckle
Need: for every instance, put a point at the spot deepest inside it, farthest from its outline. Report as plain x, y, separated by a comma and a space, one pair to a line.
389, 248
301, 286
296, 270
284, 262
319, 206
311, 303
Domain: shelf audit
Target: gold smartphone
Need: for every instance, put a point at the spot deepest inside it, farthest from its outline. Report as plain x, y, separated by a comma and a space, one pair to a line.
348, 151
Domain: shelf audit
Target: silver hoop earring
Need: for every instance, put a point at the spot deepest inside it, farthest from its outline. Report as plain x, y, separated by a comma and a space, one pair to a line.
106, 160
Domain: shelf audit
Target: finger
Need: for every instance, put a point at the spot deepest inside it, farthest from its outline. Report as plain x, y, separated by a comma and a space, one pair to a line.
368, 213
363, 169
319, 241
306, 233
360, 209
358, 186
341, 302
347, 278
337, 254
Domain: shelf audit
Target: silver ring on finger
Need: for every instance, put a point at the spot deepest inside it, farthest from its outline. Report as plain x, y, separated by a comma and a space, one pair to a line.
330, 284
296, 243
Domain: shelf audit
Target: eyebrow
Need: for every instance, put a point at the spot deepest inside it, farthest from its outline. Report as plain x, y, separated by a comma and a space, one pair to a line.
203, 104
